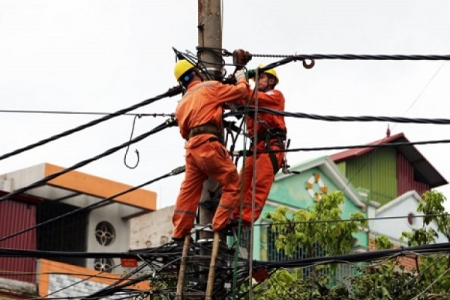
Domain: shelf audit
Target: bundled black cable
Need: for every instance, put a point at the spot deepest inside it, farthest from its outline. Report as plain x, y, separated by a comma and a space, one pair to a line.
170, 93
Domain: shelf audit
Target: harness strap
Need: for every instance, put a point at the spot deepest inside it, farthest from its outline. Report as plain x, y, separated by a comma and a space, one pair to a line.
273, 159
268, 136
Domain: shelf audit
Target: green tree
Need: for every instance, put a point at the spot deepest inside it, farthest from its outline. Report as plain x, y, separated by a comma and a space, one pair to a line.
384, 280
318, 226
321, 227
431, 267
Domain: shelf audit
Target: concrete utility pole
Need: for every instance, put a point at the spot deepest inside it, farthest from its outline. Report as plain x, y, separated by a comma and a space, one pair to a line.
209, 35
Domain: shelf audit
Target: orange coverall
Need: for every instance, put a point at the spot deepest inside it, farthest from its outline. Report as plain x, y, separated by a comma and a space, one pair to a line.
205, 154
265, 174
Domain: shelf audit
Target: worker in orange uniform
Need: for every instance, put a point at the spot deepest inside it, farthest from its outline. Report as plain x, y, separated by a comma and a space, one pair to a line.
199, 117
271, 135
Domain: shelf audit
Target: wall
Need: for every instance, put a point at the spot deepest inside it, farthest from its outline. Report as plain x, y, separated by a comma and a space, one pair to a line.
152, 229
13, 289
394, 227
375, 171
408, 261
14, 217
63, 281
111, 214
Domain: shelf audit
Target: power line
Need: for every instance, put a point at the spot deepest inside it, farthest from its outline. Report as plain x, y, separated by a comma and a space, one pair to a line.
355, 56
175, 171
168, 123
398, 144
74, 284
240, 111
171, 92
355, 220
358, 257
61, 112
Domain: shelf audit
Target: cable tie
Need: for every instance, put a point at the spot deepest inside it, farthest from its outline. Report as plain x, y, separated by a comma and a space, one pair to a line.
178, 170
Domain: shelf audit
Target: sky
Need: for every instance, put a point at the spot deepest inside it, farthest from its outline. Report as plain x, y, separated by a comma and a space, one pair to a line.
104, 55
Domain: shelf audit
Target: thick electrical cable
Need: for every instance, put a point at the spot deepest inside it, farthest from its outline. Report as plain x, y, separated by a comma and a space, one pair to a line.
171, 92
168, 123
345, 258
175, 171
386, 145
357, 219
355, 57
112, 290
343, 56
426, 249
117, 282
358, 257
329, 118
370, 256
65, 112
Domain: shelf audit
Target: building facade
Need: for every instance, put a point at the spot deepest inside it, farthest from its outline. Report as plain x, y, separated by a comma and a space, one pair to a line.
74, 212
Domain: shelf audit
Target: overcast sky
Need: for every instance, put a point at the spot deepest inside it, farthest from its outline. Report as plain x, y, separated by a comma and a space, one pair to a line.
102, 56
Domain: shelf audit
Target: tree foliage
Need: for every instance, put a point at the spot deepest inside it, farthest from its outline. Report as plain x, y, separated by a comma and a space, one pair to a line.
384, 280
312, 228
433, 266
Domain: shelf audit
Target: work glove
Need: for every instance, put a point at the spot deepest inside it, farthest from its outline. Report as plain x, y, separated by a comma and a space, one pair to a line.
251, 73
239, 75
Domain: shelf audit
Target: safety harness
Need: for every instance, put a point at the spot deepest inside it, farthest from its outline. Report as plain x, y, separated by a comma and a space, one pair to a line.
268, 136
205, 128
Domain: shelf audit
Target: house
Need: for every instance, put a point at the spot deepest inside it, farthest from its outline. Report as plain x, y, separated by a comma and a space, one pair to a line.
397, 216
397, 174
300, 190
395, 177
74, 212
388, 172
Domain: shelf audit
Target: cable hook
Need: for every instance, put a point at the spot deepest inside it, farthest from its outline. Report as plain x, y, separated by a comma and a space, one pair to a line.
128, 147
310, 65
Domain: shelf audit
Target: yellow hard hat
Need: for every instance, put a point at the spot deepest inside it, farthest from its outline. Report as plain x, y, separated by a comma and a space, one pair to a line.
181, 67
271, 72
